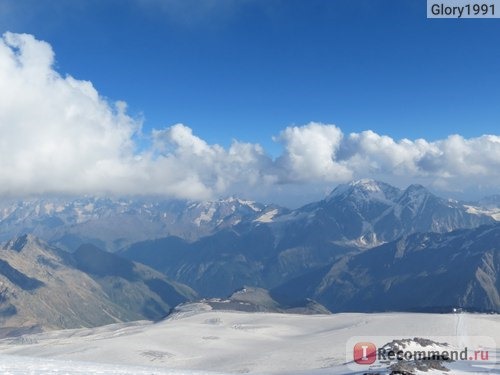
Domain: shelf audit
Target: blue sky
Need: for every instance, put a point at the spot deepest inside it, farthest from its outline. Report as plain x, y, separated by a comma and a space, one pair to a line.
246, 69
249, 69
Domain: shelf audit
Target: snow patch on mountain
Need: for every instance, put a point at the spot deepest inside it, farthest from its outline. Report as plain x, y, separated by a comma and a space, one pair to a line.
367, 241
205, 216
267, 217
491, 212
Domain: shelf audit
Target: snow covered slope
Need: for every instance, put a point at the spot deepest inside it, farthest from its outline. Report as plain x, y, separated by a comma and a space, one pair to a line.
236, 342
13, 365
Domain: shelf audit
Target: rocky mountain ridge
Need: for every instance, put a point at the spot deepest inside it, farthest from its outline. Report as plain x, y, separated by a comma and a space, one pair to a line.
43, 287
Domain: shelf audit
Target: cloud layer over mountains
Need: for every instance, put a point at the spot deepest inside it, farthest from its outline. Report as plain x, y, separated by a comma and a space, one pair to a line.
59, 135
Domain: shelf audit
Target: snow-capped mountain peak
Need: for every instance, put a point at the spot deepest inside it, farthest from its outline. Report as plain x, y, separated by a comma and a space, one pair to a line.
367, 184
365, 189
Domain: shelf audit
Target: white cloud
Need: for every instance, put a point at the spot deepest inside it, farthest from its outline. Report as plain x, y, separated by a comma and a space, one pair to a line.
55, 132
58, 135
217, 169
310, 153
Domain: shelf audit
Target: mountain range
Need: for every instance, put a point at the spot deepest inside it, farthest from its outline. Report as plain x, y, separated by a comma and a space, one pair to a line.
363, 213
279, 247
367, 246
112, 224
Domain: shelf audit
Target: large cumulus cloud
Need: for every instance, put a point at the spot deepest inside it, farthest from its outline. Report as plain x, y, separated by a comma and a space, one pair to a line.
58, 135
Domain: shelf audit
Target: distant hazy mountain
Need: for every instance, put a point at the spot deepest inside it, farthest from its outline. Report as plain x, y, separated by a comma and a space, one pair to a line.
363, 214
278, 246
42, 287
425, 272
114, 223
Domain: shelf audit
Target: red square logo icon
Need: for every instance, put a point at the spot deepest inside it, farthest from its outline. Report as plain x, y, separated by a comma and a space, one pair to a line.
364, 353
